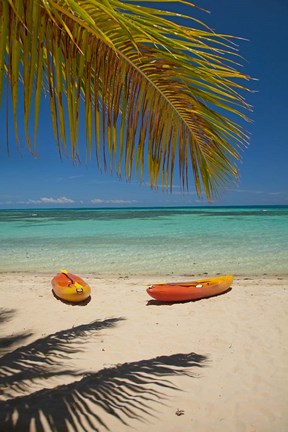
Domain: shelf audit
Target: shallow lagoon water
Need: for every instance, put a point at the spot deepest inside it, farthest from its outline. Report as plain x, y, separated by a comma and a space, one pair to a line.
151, 241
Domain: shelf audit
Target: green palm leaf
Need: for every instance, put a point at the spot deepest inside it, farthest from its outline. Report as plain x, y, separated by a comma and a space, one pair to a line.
154, 91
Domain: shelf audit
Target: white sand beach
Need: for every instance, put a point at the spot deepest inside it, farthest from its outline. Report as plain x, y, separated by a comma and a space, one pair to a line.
123, 362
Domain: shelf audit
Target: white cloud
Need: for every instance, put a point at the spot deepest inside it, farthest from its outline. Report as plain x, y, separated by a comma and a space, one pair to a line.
257, 192
50, 200
247, 191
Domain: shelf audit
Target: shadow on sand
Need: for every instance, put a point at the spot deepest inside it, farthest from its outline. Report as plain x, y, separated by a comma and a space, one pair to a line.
7, 343
127, 392
82, 303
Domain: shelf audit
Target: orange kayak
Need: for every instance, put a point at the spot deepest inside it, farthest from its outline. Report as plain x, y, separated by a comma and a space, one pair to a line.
70, 287
184, 291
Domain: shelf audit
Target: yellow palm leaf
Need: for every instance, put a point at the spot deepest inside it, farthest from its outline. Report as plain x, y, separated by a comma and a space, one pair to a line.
155, 92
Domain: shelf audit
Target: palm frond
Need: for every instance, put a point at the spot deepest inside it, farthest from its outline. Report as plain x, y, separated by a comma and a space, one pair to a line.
155, 92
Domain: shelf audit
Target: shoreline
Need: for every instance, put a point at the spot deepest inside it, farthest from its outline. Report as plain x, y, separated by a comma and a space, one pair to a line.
173, 276
219, 364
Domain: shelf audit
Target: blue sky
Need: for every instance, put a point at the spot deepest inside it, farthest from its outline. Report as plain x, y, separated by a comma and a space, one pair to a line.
49, 182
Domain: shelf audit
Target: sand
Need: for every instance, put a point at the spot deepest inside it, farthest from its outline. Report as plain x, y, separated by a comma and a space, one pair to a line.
123, 362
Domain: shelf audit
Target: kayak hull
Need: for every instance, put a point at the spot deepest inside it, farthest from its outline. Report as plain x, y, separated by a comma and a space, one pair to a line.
70, 287
194, 290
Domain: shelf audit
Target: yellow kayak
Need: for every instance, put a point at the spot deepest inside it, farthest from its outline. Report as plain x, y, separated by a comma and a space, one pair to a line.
69, 287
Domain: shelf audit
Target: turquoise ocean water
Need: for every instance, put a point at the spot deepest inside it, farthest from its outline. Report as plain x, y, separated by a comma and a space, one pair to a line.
151, 241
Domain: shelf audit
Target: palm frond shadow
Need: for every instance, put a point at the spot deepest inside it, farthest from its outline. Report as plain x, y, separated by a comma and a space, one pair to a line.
6, 343
127, 392
6, 314
43, 358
